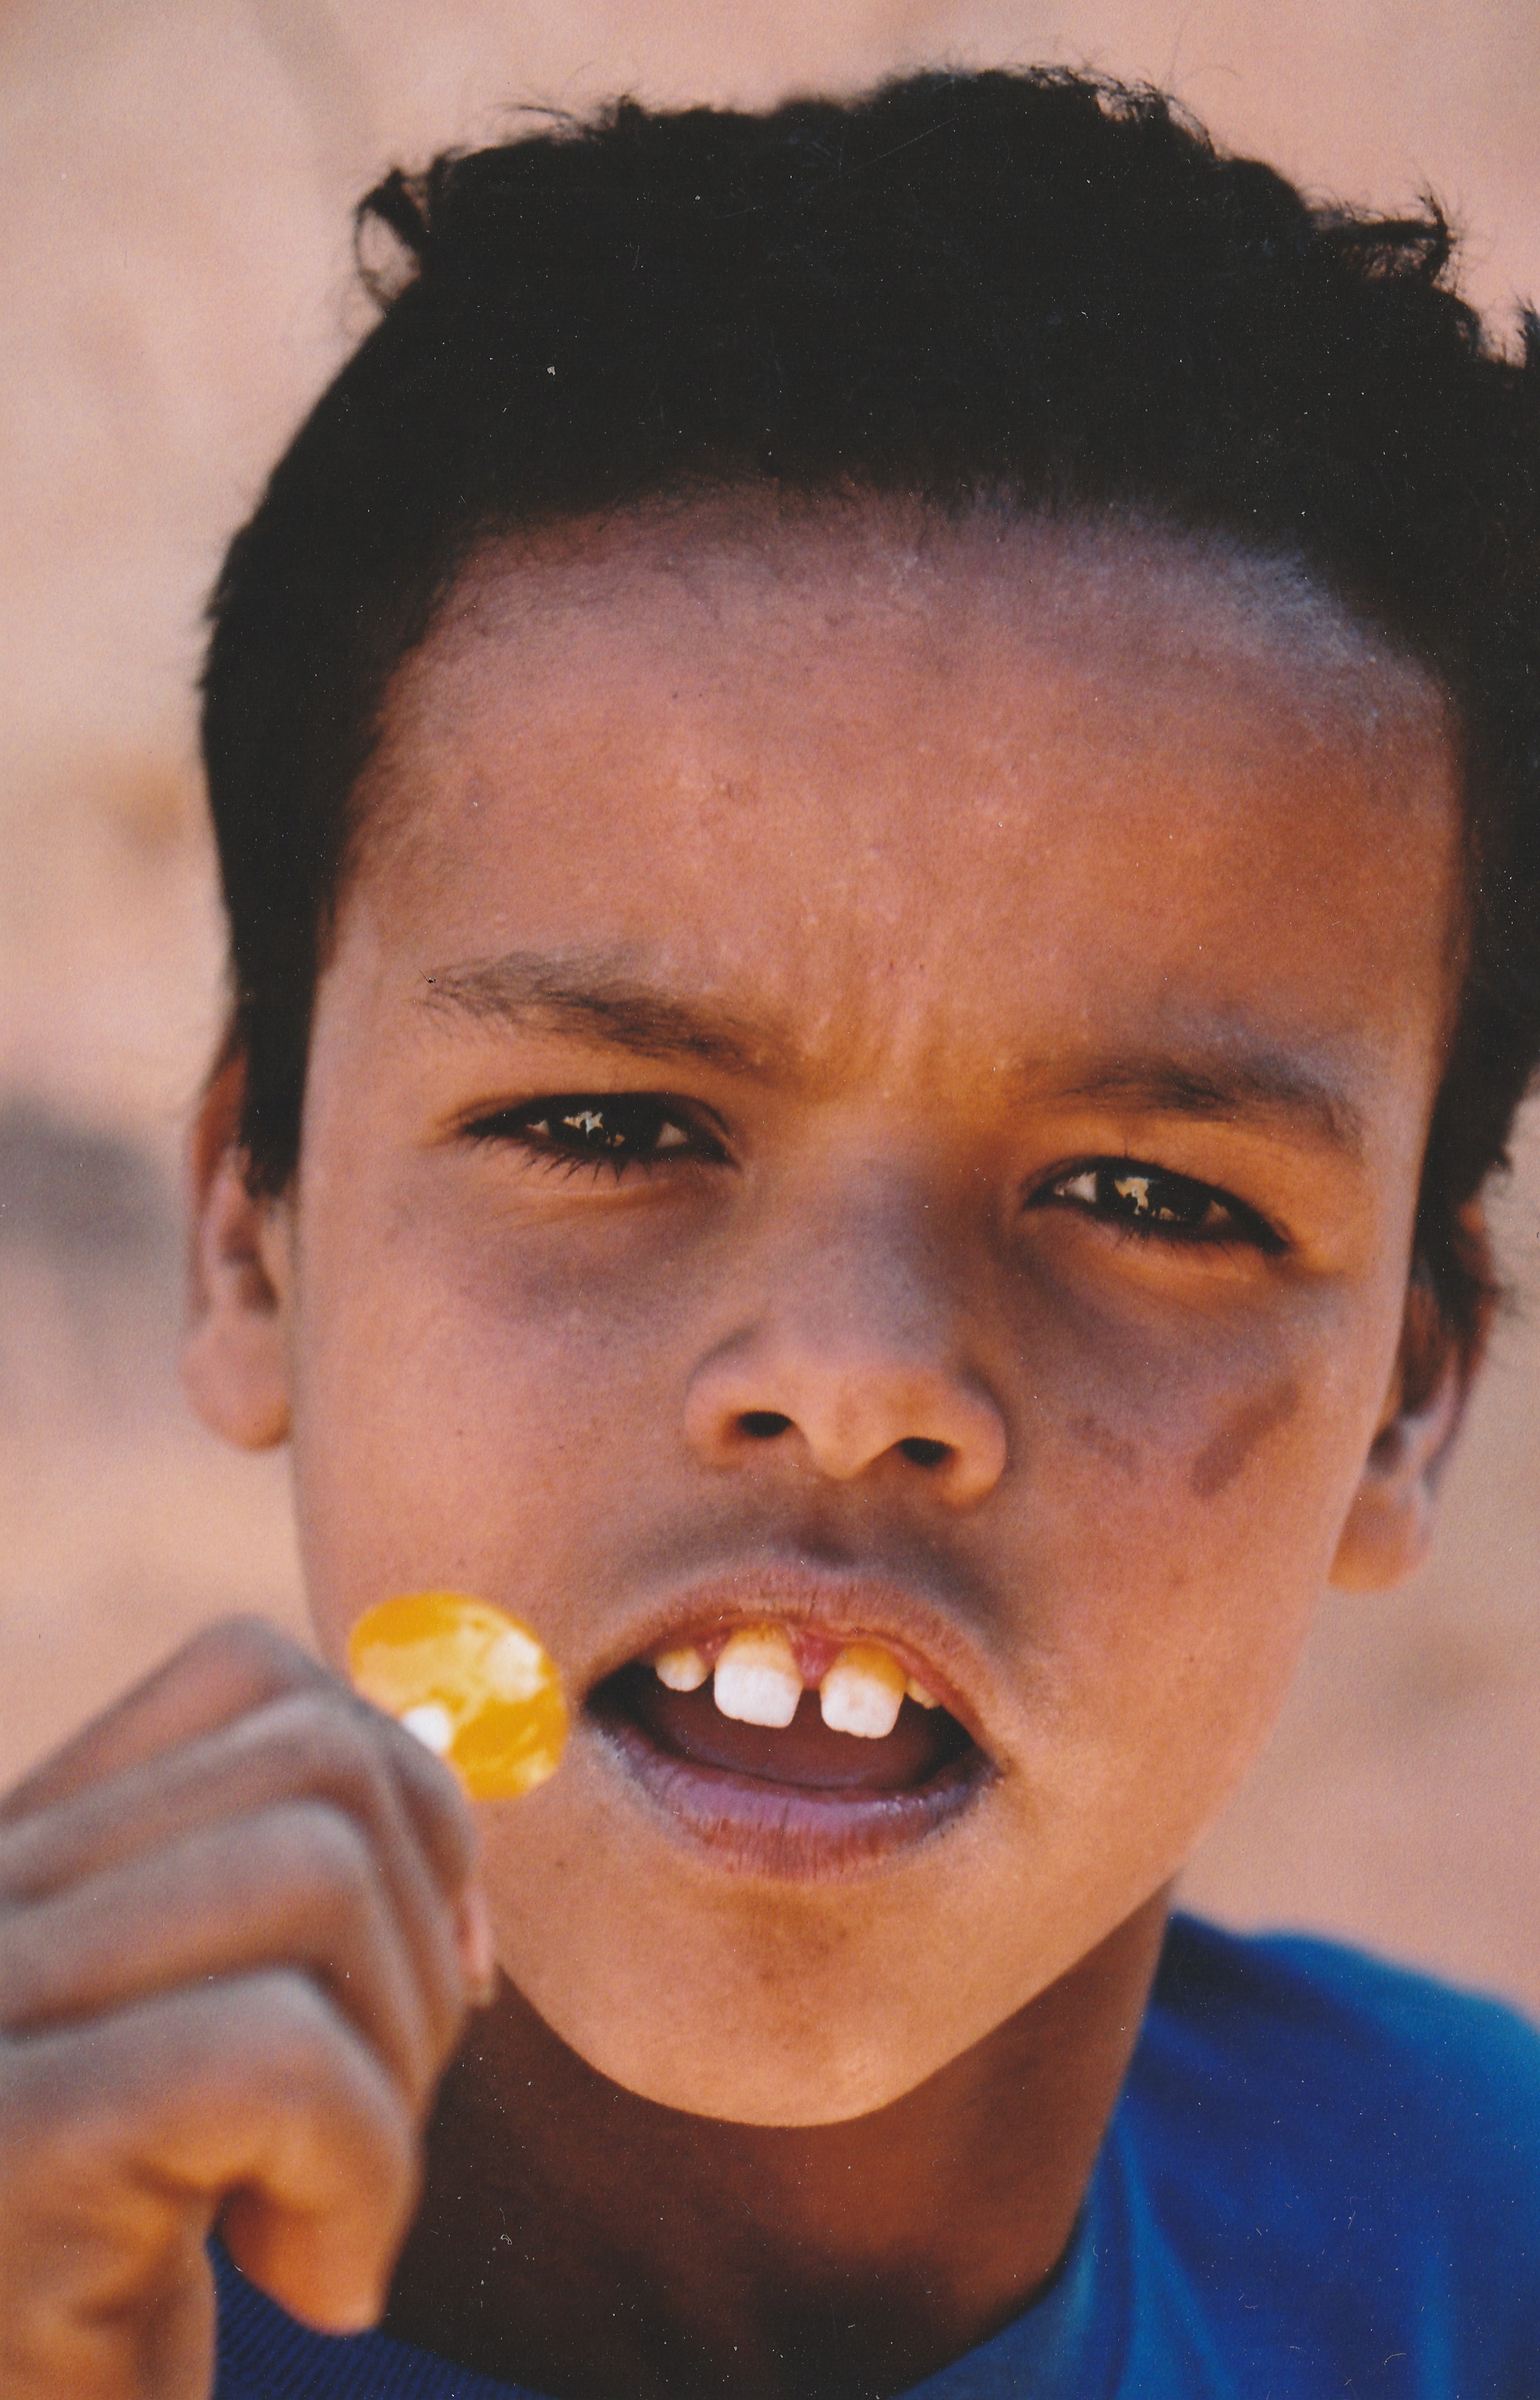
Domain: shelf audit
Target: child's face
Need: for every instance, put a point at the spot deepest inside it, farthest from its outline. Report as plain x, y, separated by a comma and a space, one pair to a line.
942, 885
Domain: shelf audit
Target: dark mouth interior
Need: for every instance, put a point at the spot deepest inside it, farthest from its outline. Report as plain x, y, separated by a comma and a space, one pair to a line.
806, 1754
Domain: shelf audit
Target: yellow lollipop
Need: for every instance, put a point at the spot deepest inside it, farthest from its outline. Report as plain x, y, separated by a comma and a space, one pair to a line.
473, 1683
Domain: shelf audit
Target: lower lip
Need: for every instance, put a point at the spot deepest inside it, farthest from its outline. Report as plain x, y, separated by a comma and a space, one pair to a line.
798, 1833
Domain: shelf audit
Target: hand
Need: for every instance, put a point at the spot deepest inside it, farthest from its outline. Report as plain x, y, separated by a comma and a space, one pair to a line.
239, 1933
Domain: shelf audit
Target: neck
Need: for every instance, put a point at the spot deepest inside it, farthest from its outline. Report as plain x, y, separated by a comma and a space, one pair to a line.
580, 2240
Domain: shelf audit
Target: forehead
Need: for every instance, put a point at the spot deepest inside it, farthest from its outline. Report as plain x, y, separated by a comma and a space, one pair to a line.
643, 588
776, 741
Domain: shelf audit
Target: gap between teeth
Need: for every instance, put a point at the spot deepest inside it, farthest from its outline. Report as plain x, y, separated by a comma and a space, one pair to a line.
758, 1681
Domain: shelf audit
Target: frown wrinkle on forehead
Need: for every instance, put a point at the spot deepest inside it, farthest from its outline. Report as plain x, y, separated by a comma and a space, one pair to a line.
605, 996
736, 806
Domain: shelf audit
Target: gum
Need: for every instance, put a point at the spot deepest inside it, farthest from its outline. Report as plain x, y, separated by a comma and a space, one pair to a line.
478, 1675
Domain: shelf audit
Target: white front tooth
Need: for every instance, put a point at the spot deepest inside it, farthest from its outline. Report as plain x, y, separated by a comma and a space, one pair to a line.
758, 1679
432, 1724
923, 1698
863, 1692
682, 1670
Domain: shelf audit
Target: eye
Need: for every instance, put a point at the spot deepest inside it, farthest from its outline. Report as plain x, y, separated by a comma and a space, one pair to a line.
1152, 1203
614, 1130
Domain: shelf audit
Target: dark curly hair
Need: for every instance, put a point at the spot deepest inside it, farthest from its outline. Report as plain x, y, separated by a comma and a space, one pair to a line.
1039, 288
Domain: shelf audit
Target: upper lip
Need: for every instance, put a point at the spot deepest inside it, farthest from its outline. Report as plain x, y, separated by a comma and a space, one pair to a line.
839, 1605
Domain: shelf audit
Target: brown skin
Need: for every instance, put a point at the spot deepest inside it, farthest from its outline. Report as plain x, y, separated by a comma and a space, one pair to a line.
234, 1957
823, 2261
974, 855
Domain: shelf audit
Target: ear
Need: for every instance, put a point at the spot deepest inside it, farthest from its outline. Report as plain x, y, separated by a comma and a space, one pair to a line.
1390, 1525
234, 1357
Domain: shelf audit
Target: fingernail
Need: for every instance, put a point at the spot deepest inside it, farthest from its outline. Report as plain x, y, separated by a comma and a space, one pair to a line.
477, 1954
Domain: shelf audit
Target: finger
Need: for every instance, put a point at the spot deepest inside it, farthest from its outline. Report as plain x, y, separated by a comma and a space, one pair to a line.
252, 2097
228, 1672
143, 2328
221, 1674
311, 1745
294, 1884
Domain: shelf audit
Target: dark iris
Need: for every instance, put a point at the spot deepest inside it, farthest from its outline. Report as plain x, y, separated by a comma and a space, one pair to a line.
1151, 1200
619, 1129
1145, 1196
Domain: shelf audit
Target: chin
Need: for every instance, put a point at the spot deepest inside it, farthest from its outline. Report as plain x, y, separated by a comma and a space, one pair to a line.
763, 1998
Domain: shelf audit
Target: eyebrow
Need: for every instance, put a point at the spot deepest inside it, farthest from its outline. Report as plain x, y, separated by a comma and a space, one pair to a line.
596, 995
1255, 1087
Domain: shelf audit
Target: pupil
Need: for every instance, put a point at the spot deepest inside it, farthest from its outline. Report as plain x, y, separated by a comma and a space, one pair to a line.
1166, 1198
599, 1129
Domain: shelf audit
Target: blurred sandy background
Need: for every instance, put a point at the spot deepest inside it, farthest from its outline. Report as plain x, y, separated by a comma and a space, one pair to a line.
175, 272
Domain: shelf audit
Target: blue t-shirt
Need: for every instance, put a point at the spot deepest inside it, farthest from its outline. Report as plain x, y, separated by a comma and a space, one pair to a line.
1322, 2177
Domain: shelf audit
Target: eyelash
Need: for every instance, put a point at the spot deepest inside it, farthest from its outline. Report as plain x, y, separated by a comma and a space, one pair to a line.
1145, 1203
603, 1129
621, 1130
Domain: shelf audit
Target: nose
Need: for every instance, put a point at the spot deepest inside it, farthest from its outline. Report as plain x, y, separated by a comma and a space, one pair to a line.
852, 1354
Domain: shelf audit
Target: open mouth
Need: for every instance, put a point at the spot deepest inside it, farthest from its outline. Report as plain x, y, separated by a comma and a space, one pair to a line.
788, 1751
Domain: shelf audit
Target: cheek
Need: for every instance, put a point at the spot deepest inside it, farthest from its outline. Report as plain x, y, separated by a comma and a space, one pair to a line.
1242, 1421
1197, 1496
473, 1410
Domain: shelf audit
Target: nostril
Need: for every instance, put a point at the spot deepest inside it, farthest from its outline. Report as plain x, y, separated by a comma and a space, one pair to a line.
763, 1425
926, 1453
